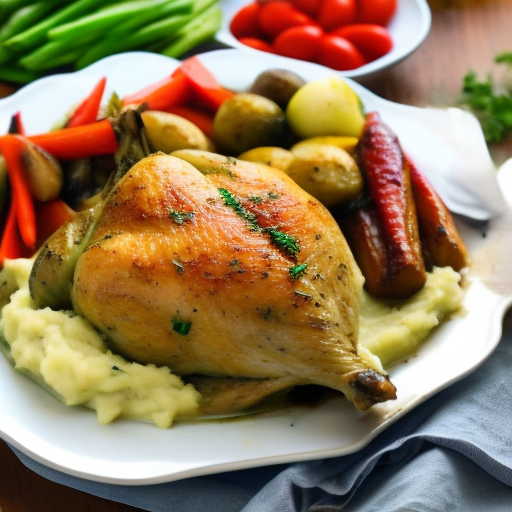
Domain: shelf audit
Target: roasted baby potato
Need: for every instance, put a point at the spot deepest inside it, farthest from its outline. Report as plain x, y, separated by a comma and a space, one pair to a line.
168, 132
279, 85
247, 121
327, 172
273, 156
340, 141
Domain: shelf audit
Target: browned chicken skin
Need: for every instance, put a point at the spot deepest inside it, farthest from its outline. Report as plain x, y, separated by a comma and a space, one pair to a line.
234, 271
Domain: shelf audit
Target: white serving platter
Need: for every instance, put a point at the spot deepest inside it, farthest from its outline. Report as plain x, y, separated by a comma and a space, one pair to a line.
69, 439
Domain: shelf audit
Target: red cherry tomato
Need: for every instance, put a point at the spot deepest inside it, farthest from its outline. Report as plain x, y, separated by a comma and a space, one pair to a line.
257, 44
276, 16
379, 12
337, 13
245, 22
298, 42
373, 41
310, 7
338, 53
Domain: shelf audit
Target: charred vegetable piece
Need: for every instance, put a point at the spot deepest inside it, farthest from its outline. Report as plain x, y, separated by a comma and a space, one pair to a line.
440, 237
392, 261
52, 274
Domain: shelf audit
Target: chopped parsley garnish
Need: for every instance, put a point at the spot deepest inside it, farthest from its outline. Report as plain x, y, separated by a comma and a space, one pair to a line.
298, 270
493, 109
180, 217
181, 326
284, 242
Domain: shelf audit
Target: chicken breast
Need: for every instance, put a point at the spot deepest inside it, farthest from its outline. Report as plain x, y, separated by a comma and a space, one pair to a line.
226, 269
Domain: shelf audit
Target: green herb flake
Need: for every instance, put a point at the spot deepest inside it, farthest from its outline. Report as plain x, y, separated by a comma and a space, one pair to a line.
255, 199
231, 201
180, 217
284, 242
273, 196
298, 270
180, 326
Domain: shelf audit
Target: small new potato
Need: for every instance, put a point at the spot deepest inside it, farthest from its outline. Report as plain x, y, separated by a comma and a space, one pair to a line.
272, 156
247, 121
169, 132
340, 141
327, 172
279, 85
328, 106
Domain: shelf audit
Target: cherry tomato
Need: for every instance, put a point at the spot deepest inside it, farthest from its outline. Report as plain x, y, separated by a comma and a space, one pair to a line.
338, 53
336, 13
299, 42
245, 22
276, 16
310, 7
379, 12
373, 41
257, 44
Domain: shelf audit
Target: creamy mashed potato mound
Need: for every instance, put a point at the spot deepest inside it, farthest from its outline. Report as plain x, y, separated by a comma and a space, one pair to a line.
65, 354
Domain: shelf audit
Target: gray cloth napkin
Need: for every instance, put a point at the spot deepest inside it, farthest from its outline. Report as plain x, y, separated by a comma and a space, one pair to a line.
452, 453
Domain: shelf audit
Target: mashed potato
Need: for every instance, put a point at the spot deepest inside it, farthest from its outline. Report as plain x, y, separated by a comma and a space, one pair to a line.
65, 354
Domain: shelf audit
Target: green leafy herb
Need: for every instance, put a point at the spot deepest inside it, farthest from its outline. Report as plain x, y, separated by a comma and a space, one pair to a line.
492, 108
298, 270
284, 242
181, 326
180, 217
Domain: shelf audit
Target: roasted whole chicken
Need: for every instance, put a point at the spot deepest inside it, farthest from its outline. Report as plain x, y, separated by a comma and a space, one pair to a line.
225, 271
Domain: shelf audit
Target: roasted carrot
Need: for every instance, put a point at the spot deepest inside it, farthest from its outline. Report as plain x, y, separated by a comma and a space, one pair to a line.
12, 147
394, 222
171, 90
87, 111
440, 237
98, 138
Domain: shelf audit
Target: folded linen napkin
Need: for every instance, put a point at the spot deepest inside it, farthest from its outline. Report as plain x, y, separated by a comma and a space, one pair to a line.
452, 453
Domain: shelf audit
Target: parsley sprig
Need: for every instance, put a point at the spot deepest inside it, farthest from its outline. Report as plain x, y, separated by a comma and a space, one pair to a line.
492, 108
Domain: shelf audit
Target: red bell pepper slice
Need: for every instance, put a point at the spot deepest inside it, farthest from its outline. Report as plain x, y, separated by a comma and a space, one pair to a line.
204, 84
93, 139
16, 125
200, 117
12, 146
11, 245
169, 91
87, 111
51, 215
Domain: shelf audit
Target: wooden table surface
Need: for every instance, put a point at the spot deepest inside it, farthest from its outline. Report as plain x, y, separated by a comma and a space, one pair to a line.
465, 34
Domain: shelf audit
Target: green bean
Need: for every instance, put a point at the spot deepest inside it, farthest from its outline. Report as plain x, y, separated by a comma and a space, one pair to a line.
138, 39
36, 35
103, 19
17, 74
25, 17
7, 7
148, 17
43, 57
200, 30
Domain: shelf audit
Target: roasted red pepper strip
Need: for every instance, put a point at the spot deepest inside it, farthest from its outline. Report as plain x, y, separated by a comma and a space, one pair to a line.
16, 126
200, 117
171, 90
205, 86
11, 246
12, 147
386, 173
87, 111
98, 138
51, 215
440, 237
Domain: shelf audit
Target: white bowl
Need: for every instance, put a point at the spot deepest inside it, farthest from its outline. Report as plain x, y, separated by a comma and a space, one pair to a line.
408, 28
